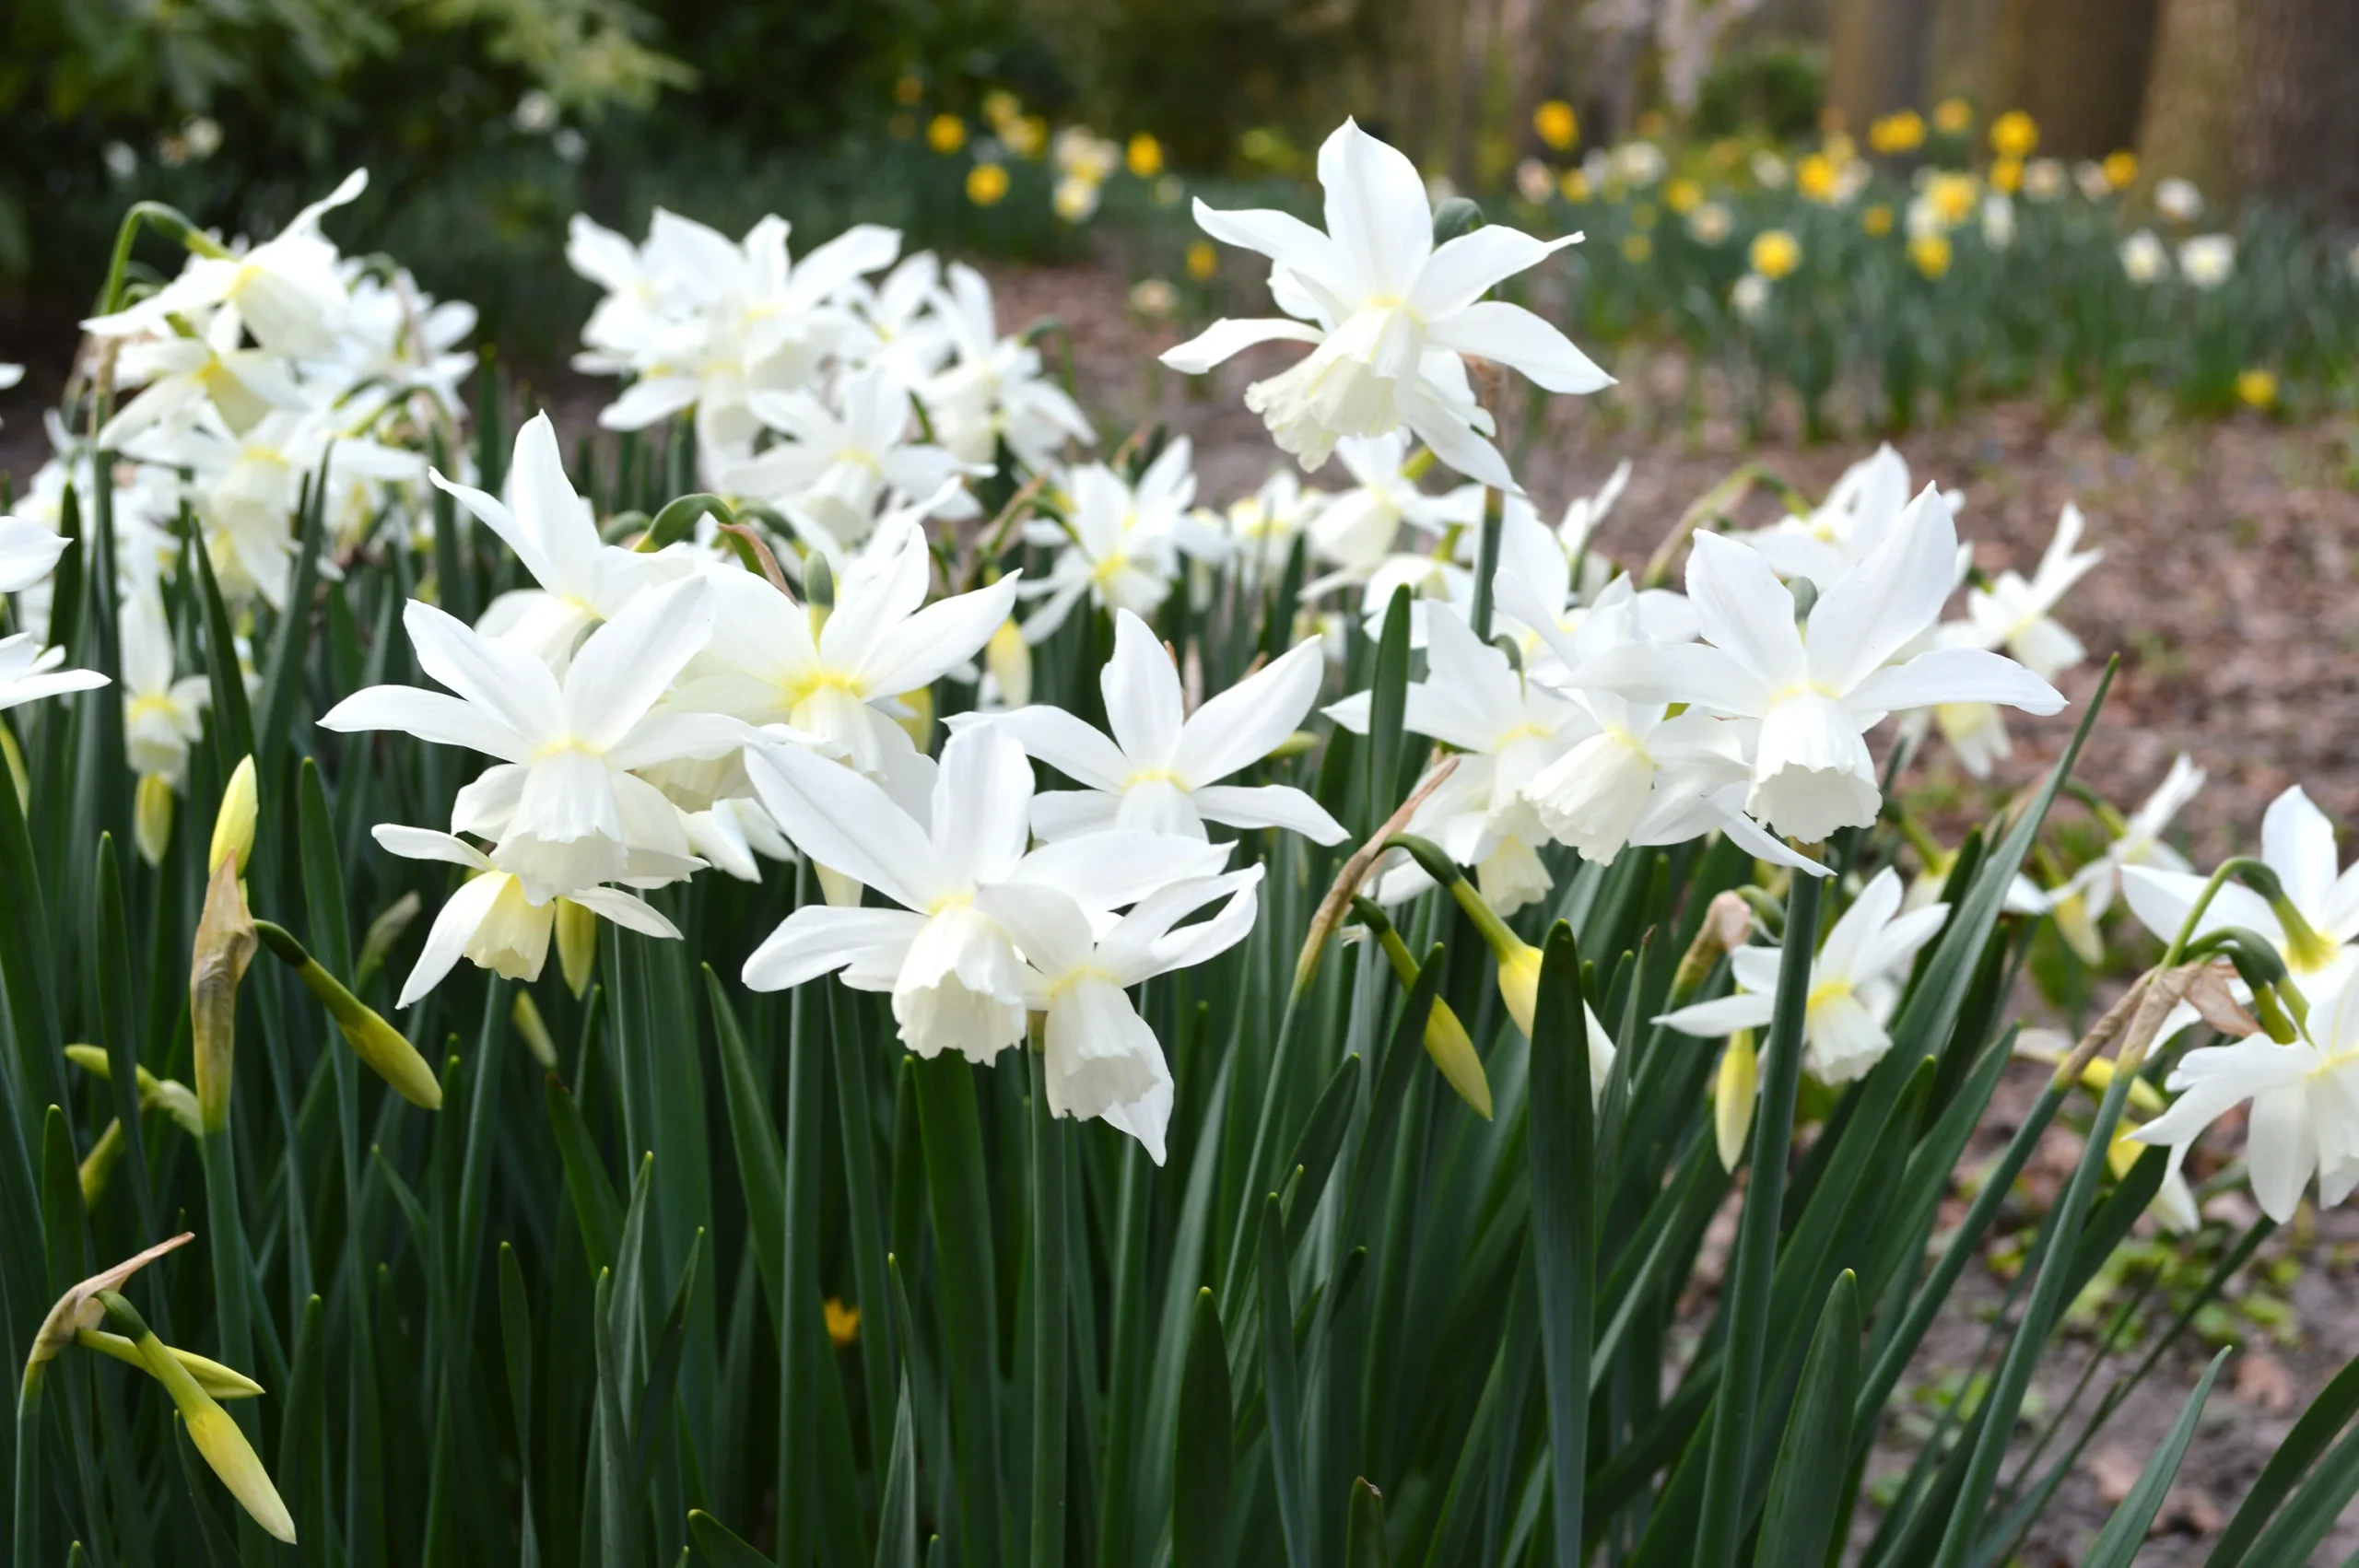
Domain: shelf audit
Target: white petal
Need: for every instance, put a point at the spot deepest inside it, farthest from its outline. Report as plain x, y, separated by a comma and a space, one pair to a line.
424, 844
1459, 272
1511, 335
1142, 700
1711, 1020
1953, 675
1248, 721
633, 913
429, 716
2297, 843
628, 664
1660, 672
453, 927
1065, 742
1269, 805
816, 939
1888, 600
939, 638
1226, 337
2281, 1150
842, 820
982, 804
1377, 212
1048, 926
1282, 237
1745, 611
508, 684
1119, 867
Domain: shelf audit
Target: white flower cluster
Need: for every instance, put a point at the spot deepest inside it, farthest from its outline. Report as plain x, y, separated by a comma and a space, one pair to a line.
258, 368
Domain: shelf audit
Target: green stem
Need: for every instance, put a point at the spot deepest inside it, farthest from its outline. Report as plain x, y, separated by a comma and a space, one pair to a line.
25, 1546
1486, 558
2234, 866
1049, 1233
1756, 1260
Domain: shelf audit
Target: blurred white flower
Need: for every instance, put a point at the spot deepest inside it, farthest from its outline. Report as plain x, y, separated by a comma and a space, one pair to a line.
2144, 258
1118, 546
846, 454
993, 390
1749, 296
2208, 260
1638, 163
28, 673
2178, 200
2141, 841
29, 553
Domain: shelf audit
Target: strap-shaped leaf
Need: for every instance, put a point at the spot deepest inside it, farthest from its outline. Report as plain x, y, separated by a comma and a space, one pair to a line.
1562, 1134
1364, 1544
1805, 1490
1282, 1389
1202, 1461
2118, 1543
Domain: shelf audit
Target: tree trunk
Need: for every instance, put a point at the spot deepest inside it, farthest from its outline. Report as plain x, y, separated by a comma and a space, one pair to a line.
2077, 67
2298, 143
1877, 61
2252, 99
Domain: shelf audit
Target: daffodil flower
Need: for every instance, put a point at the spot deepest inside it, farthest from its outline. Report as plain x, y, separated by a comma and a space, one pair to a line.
1388, 314
178, 375
2297, 843
582, 580
1854, 984
839, 680
563, 804
2140, 841
1120, 545
1816, 687
29, 672
1161, 768
29, 553
1103, 1059
954, 973
841, 460
994, 389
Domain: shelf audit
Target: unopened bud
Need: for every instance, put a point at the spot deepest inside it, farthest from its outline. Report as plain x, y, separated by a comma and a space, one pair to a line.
577, 945
151, 817
233, 825
374, 1041
1727, 919
221, 1381
215, 1436
1733, 1093
918, 722
80, 1308
225, 945
1009, 659
526, 1016
99, 1164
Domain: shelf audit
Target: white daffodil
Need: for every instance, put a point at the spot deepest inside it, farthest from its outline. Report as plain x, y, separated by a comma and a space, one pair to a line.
839, 682
400, 336
29, 672
1815, 689
1859, 514
490, 920
1854, 984
2015, 614
1546, 598
705, 323
29, 553
177, 374
893, 322
2297, 843
1389, 312
1161, 768
285, 290
563, 805
841, 461
1263, 526
955, 975
1508, 730
2141, 841
583, 580
162, 718
1118, 546
2304, 1097
1102, 1059
993, 390
1354, 531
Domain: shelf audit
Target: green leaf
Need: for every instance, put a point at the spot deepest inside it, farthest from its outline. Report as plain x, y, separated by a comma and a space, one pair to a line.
958, 1188
1561, 1132
897, 1508
516, 1346
2118, 1543
2327, 1414
1048, 1239
283, 672
1387, 703
1719, 1517
1282, 1388
1203, 1460
63, 1226
718, 1545
1364, 1546
760, 1162
1806, 1488
1321, 1141
653, 1416
595, 1207
231, 721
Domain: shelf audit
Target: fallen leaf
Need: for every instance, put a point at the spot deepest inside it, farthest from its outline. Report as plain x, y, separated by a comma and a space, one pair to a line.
2115, 1471
2263, 1383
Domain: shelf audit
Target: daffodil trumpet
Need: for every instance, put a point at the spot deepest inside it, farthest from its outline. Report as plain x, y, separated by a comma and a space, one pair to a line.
374, 1041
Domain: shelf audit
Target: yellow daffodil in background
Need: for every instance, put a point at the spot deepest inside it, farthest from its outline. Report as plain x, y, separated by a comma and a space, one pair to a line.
1951, 198
1574, 186
843, 1324
2120, 169
1775, 254
2257, 388
1636, 249
1026, 135
1001, 107
1144, 156
945, 134
1818, 178
1555, 124
2013, 134
1876, 222
986, 185
1904, 131
1203, 260
1952, 116
1930, 254
2007, 175
1683, 196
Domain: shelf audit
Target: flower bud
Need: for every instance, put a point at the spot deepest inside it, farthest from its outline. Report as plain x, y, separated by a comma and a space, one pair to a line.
233, 825
80, 1308
577, 945
918, 722
1727, 921
1732, 1091
100, 1164
151, 817
225, 945
221, 1381
1009, 659
1446, 1041
526, 1017
383, 931
210, 1430
374, 1041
